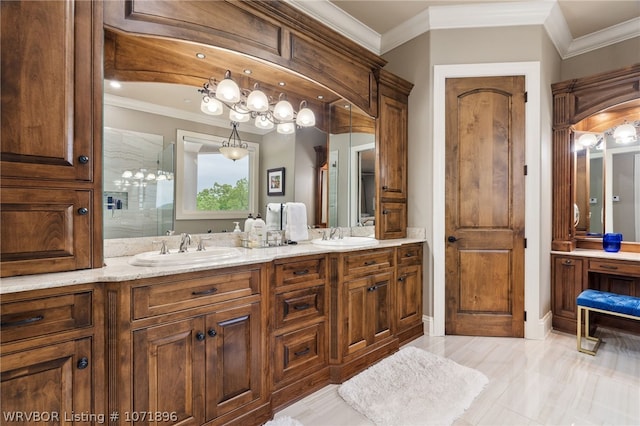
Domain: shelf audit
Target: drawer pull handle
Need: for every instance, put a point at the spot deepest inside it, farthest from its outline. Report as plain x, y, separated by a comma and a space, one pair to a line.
83, 363
613, 268
373, 288
302, 352
303, 272
200, 336
212, 333
410, 254
568, 262
302, 307
204, 292
22, 322
369, 262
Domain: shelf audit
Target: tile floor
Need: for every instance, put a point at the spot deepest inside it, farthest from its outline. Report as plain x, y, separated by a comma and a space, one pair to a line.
531, 382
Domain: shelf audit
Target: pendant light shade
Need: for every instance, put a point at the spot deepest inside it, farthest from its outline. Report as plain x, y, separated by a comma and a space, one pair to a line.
257, 100
625, 133
228, 90
211, 106
286, 128
283, 110
263, 122
305, 117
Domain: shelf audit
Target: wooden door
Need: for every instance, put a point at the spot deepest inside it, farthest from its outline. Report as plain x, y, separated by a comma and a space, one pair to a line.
234, 359
169, 371
484, 220
51, 382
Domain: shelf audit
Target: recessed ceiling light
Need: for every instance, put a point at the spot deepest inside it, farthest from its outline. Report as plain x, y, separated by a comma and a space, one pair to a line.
320, 97
200, 55
247, 71
282, 84
115, 84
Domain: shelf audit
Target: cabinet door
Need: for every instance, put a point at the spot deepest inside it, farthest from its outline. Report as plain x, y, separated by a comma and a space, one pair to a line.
234, 370
393, 220
52, 382
45, 230
368, 309
568, 277
392, 149
408, 297
47, 88
168, 365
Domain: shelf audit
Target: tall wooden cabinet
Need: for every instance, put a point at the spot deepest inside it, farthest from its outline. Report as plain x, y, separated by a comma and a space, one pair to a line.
51, 136
391, 156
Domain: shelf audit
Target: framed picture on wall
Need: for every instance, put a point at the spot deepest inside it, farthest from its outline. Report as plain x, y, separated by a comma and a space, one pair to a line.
275, 181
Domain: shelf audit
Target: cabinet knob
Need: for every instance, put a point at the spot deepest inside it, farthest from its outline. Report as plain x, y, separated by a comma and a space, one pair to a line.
83, 159
568, 262
83, 363
212, 332
83, 211
401, 279
372, 288
385, 187
385, 211
200, 336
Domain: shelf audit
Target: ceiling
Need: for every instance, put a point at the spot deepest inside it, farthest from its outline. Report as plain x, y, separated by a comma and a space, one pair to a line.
573, 25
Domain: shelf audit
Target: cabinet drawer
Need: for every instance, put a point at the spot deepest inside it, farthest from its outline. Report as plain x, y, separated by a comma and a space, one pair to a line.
38, 317
299, 351
618, 268
368, 261
308, 271
164, 297
299, 305
410, 255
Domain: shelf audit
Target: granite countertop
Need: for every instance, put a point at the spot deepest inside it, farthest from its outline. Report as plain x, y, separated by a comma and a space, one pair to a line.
119, 268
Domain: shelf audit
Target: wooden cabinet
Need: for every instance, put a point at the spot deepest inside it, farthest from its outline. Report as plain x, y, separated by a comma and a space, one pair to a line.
568, 280
192, 346
391, 156
51, 136
52, 353
299, 339
408, 306
362, 310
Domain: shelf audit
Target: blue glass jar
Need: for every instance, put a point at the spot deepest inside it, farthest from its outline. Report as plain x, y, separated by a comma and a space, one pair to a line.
611, 242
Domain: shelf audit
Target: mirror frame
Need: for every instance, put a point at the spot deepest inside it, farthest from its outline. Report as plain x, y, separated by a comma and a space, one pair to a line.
573, 101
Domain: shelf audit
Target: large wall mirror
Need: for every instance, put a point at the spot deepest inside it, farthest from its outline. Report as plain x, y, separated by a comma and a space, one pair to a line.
608, 173
163, 100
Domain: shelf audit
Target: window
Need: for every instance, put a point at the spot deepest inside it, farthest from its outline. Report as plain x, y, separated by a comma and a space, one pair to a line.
210, 186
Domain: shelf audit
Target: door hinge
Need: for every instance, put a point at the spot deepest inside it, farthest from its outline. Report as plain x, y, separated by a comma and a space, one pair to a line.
526, 170
525, 316
526, 96
525, 243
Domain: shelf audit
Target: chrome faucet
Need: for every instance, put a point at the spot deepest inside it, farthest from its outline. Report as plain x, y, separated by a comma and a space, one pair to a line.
334, 231
185, 241
201, 246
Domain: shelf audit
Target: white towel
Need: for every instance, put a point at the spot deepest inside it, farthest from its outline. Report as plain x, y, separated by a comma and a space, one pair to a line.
273, 221
296, 229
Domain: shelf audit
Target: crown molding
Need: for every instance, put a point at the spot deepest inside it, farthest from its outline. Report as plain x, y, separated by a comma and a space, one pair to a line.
546, 13
210, 120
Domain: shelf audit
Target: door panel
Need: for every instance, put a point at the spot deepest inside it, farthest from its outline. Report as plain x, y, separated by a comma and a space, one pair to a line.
485, 206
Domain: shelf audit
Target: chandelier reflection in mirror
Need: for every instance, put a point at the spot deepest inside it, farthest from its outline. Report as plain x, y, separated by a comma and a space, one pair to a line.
233, 148
624, 134
245, 105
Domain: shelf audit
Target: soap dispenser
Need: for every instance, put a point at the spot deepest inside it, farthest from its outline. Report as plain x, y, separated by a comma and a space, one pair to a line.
248, 224
259, 230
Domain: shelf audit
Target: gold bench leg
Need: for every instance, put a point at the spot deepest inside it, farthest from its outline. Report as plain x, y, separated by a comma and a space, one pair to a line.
586, 332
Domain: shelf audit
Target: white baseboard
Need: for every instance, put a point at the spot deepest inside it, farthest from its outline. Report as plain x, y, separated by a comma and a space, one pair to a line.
536, 330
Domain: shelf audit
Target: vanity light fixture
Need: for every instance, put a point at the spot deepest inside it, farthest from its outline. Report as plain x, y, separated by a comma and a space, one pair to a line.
245, 105
625, 133
588, 140
233, 148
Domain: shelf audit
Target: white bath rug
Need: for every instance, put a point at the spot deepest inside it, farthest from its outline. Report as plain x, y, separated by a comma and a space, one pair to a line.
413, 387
283, 421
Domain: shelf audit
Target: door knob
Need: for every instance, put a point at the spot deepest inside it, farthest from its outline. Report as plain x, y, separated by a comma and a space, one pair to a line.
452, 239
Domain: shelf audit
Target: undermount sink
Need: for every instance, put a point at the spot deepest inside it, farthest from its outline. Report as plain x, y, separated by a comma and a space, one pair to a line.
346, 242
174, 258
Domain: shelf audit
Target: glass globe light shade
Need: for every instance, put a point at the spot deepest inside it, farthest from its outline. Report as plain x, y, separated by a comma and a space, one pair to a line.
263, 122
258, 101
127, 174
234, 152
283, 111
588, 140
150, 176
139, 175
227, 90
286, 128
305, 117
625, 133
239, 117
211, 106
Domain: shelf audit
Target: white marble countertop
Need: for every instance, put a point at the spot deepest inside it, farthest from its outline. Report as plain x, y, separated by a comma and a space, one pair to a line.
601, 254
119, 269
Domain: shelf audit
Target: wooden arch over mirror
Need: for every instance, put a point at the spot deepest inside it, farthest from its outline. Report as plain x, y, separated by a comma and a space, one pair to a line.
573, 101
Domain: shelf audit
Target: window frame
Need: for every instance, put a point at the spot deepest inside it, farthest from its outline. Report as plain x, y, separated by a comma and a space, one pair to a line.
183, 213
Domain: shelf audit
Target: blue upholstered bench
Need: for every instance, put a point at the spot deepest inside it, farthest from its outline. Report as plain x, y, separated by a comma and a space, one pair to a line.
606, 303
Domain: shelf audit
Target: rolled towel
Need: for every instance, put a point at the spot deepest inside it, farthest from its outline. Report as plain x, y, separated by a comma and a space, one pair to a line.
296, 229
